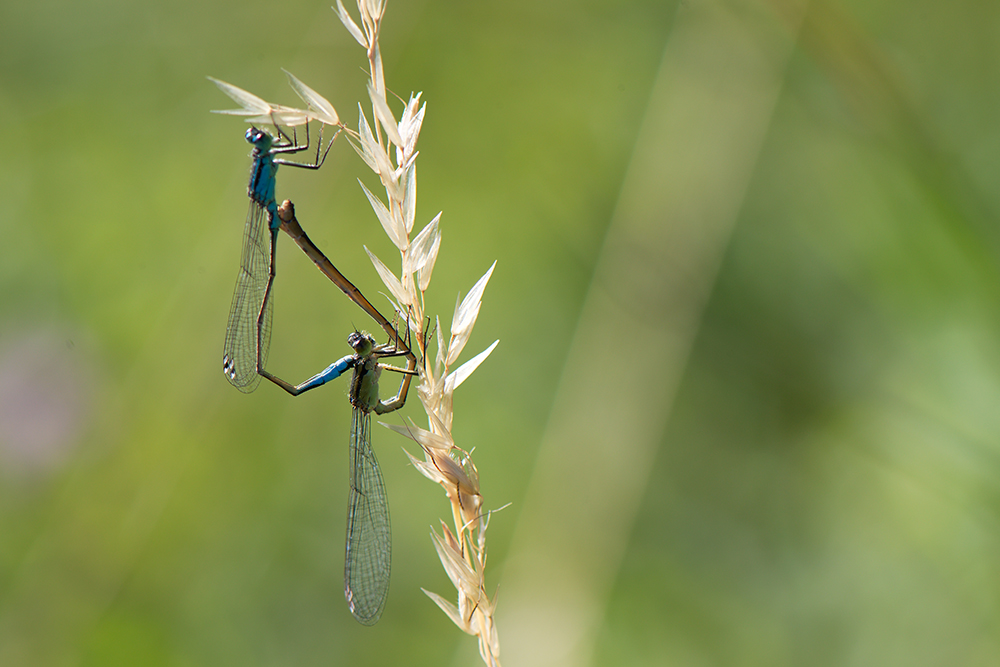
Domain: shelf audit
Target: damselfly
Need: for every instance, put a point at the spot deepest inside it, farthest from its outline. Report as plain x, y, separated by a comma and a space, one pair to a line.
248, 331
368, 551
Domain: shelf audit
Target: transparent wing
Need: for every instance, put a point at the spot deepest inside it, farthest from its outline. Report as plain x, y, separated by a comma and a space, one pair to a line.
369, 543
239, 359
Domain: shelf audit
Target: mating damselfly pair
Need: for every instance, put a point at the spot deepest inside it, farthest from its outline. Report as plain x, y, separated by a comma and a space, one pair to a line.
248, 332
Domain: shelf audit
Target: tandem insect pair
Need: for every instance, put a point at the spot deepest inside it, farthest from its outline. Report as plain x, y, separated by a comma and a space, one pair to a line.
368, 546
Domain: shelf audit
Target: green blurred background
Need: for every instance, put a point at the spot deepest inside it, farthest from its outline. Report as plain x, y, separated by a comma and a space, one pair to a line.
746, 403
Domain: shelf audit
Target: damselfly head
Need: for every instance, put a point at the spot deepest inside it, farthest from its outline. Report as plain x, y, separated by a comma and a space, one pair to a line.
258, 138
361, 342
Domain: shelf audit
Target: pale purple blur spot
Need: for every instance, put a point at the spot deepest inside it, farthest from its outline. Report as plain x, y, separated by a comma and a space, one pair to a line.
43, 400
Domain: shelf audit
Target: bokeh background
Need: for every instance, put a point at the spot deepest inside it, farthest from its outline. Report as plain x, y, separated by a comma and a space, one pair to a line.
746, 404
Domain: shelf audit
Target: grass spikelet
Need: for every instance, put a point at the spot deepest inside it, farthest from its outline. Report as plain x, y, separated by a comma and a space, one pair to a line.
461, 547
